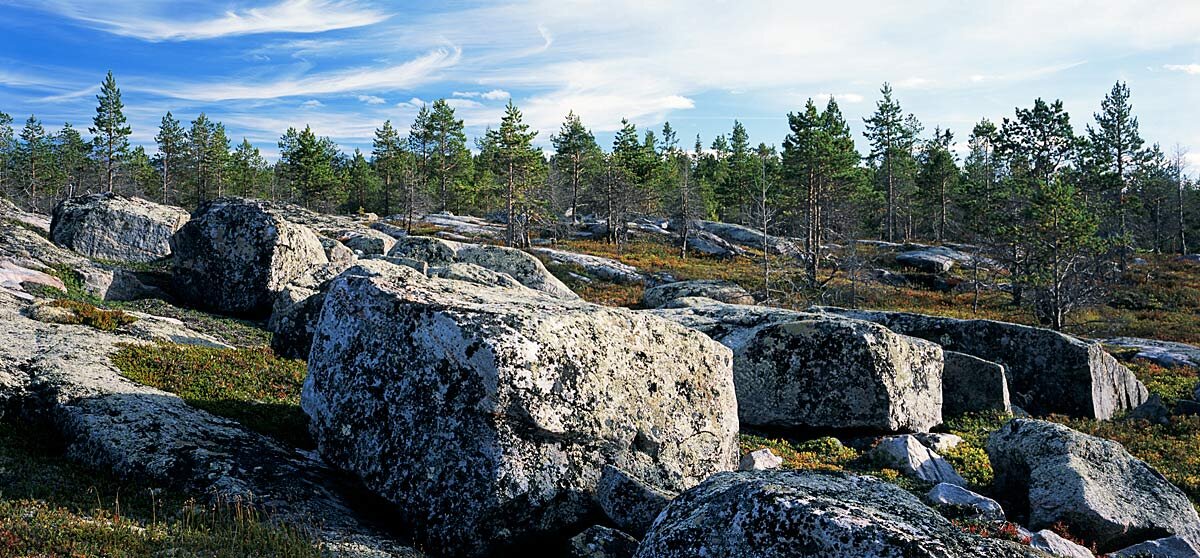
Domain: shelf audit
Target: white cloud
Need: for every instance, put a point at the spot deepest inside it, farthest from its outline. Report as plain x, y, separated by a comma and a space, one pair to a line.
465, 94
286, 16
402, 76
311, 103
842, 98
371, 99
1193, 69
496, 95
460, 103
414, 102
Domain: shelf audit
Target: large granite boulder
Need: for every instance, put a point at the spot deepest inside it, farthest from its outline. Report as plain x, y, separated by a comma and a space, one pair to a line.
973, 385
630, 503
1058, 373
487, 414
721, 291
798, 370
809, 514
236, 255
749, 237
605, 269
112, 227
1091, 485
366, 241
522, 266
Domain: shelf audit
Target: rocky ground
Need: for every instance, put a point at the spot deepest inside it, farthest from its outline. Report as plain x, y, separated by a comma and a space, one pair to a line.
450, 397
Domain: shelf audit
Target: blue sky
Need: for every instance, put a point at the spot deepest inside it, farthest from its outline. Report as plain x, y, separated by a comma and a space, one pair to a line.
344, 66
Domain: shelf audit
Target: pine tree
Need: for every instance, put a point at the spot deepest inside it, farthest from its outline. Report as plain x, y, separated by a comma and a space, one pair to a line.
71, 153
1116, 146
1063, 263
938, 180
420, 144
450, 157
35, 155
109, 130
6, 153
199, 147
362, 181
515, 161
247, 170
218, 157
981, 175
388, 155
142, 172
575, 152
309, 162
172, 142
892, 137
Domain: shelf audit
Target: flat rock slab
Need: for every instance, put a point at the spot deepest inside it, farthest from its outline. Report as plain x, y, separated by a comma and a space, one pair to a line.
1163, 353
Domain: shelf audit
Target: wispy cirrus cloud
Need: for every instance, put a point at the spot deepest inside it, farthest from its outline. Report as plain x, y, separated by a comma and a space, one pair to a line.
407, 75
286, 16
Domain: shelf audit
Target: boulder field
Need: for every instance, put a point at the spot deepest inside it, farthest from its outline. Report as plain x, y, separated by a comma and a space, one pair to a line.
488, 410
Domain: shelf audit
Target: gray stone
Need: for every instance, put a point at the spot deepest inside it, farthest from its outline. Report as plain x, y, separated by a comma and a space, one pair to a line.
605, 269
748, 237
802, 371
973, 385
1153, 411
926, 260
598, 541
959, 498
760, 460
236, 255
522, 266
721, 291
709, 244
1169, 547
630, 503
112, 227
1051, 543
806, 513
366, 241
1168, 354
907, 455
1091, 485
940, 442
1059, 373
486, 414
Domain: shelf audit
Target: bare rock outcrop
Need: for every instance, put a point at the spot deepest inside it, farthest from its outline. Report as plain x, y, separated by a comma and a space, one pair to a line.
486, 414
112, 227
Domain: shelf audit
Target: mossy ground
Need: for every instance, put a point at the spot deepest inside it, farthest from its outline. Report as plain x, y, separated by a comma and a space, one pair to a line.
249, 385
50, 507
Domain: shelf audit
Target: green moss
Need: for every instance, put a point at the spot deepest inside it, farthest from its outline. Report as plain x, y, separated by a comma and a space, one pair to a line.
972, 464
249, 385
89, 315
1171, 384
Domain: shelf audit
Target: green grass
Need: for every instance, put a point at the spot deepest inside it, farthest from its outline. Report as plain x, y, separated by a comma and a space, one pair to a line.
249, 385
50, 507
91, 316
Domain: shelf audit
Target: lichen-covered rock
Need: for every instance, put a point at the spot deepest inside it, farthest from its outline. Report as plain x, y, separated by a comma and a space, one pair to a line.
721, 291
472, 273
798, 370
748, 237
938, 441
114, 227
522, 266
1168, 547
630, 503
486, 414
1053, 544
599, 541
760, 460
1057, 372
972, 385
605, 269
927, 260
1091, 485
366, 241
809, 514
236, 255
909, 456
960, 499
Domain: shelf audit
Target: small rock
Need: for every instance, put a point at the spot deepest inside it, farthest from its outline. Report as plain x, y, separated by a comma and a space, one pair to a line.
598, 541
1153, 411
1170, 547
1187, 408
1048, 541
907, 455
722, 291
760, 460
630, 503
940, 442
981, 507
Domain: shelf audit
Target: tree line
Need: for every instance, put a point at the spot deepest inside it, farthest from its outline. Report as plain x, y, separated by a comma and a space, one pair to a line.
1062, 208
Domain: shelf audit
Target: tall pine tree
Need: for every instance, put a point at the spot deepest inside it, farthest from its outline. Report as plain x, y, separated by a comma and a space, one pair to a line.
110, 131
